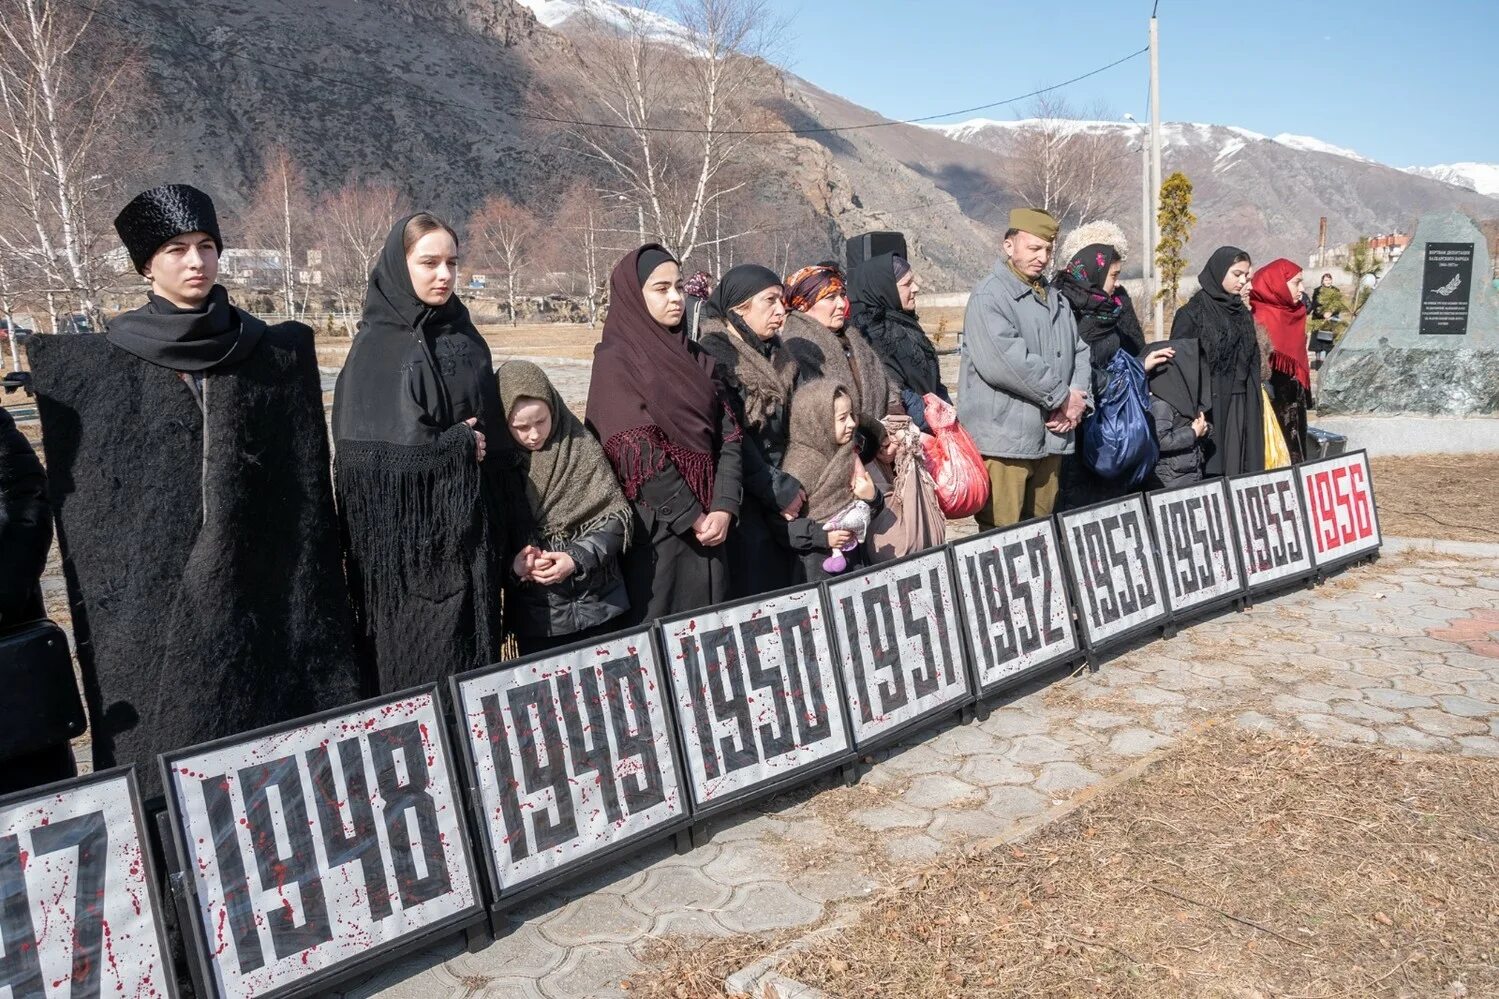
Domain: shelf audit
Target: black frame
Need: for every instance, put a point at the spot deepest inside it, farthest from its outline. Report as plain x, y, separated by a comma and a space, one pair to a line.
199, 955
1162, 622
1326, 566
925, 718
792, 777
502, 899
1069, 600
1298, 578
1236, 553
148, 862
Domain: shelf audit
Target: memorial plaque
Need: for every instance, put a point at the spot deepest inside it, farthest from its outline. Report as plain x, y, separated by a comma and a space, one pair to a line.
758, 699
78, 909
1446, 288
1111, 555
1196, 543
573, 758
1340, 511
1273, 537
317, 846
1015, 609
899, 644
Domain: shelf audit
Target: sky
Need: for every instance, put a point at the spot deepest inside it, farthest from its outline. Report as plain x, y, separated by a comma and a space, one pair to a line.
1403, 82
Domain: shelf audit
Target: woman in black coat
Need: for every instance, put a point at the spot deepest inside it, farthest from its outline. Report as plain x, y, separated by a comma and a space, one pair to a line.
741, 331
413, 409
1218, 318
882, 293
25, 536
1089, 284
659, 409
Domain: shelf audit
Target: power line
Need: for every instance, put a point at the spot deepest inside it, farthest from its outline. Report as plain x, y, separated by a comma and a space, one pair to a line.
557, 120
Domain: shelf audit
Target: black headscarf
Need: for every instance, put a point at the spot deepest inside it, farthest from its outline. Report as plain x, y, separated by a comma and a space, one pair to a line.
898, 338
415, 369
1211, 279
189, 340
739, 285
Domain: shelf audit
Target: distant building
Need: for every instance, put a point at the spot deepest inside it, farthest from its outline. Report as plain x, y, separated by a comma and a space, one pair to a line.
249, 266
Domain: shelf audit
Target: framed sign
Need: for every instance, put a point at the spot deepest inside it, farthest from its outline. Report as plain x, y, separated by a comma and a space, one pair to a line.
79, 914
1340, 511
1015, 610
899, 645
758, 699
1117, 580
317, 846
1446, 288
572, 758
1275, 544
1195, 540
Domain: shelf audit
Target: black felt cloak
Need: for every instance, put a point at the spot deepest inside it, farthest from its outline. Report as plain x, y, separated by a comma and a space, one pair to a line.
199, 543
416, 507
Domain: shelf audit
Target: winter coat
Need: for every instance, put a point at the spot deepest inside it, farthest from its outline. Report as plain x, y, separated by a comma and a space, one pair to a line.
1180, 462
592, 595
25, 526
1021, 358
199, 542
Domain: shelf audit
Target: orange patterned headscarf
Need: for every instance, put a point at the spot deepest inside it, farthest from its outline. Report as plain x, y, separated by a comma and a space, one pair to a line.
812, 284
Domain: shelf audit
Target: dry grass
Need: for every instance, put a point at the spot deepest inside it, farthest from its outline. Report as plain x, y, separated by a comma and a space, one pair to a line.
1447, 496
1236, 866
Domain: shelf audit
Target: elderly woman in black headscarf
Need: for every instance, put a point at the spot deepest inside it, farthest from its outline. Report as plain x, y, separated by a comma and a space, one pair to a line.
658, 407
1089, 284
882, 292
414, 411
1218, 318
741, 332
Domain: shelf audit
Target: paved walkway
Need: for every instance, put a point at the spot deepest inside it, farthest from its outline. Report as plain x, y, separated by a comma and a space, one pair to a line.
1403, 654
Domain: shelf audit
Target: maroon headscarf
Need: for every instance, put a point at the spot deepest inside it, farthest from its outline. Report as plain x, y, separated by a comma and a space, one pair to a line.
653, 395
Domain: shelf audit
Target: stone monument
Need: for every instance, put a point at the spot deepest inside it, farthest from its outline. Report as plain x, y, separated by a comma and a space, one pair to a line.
1426, 343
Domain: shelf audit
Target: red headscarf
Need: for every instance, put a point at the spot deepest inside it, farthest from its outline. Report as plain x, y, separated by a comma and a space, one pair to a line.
1284, 318
653, 395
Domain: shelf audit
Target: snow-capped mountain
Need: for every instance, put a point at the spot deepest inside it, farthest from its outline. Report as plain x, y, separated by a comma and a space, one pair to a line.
1480, 177
555, 13
1173, 133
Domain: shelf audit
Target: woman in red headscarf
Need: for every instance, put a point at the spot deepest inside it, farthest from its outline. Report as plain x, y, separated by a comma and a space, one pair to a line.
1279, 308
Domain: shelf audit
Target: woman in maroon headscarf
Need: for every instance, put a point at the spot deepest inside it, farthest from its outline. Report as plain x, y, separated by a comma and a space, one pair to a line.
1280, 310
658, 409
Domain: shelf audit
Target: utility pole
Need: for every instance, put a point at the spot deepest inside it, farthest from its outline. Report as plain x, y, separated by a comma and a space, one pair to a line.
1147, 241
1155, 157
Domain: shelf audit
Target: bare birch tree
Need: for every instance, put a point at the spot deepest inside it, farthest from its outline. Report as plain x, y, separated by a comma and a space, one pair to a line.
1059, 164
503, 235
579, 221
279, 216
647, 75
353, 222
66, 86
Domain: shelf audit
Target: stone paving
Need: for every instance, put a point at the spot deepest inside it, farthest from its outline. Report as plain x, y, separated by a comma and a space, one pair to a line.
1404, 654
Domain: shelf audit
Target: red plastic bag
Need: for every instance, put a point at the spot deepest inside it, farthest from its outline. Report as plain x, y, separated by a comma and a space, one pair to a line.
953, 461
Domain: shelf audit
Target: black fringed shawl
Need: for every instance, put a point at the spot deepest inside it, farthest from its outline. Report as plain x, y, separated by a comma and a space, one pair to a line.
415, 505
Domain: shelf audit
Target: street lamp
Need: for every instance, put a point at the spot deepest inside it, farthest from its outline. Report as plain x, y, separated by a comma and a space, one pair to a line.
1147, 260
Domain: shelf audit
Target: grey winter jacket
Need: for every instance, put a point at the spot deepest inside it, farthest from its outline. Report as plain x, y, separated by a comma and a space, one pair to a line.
1180, 463
1020, 358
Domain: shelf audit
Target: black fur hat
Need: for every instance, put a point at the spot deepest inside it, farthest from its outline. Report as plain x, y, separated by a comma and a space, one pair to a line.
157, 215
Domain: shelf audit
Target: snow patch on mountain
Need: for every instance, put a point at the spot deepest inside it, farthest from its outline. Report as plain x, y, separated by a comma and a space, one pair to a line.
1480, 177
1308, 144
554, 13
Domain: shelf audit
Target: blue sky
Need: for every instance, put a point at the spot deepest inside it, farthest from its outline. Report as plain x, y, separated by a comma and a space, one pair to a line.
1403, 82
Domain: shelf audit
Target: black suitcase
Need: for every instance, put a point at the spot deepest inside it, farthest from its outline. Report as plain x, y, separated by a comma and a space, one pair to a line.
872, 244
1324, 444
36, 674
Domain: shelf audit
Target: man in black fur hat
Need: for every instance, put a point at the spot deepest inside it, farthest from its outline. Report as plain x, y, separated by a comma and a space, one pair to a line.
187, 462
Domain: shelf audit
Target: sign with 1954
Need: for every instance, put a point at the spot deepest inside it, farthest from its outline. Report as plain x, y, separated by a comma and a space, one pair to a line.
1194, 535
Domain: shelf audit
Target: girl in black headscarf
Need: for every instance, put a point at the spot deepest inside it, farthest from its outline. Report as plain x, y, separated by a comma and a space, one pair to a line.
1089, 284
412, 417
882, 293
1217, 317
741, 331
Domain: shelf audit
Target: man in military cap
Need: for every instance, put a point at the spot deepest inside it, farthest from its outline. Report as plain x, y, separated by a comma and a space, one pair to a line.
1025, 376
187, 464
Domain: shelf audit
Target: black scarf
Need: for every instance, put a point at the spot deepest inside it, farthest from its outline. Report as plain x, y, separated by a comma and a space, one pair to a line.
739, 285
1227, 328
902, 344
186, 339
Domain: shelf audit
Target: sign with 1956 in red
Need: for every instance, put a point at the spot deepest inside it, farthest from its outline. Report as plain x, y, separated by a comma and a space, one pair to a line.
1339, 495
